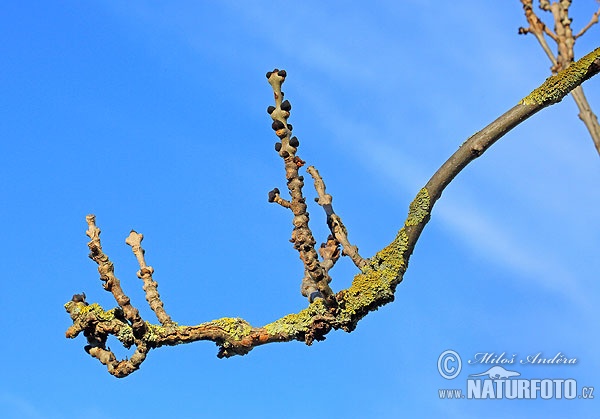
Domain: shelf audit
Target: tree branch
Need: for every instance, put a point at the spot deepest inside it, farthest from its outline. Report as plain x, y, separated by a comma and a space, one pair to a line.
111, 282
538, 28
337, 227
591, 23
316, 279
373, 287
145, 274
565, 41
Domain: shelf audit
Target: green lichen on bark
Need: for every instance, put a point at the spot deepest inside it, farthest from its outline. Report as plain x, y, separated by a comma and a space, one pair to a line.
419, 208
375, 285
154, 333
95, 308
126, 337
557, 86
234, 326
294, 324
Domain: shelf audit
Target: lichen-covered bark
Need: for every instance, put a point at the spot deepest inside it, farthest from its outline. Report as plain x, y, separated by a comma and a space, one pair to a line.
559, 85
564, 39
371, 288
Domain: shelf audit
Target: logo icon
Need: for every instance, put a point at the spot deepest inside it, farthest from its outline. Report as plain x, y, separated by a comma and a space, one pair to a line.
447, 371
497, 373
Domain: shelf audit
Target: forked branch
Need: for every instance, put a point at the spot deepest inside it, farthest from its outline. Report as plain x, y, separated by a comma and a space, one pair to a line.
565, 41
371, 288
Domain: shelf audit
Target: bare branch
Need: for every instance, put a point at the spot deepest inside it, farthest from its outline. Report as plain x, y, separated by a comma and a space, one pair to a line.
373, 287
591, 23
538, 28
536, 25
302, 236
565, 41
562, 28
338, 229
586, 115
145, 274
111, 282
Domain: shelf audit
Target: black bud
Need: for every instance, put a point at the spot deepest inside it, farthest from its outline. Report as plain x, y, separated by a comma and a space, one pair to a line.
277, 125
290, 127
270, 109
269, 74
301, 178
294, 142
79, 298
277, 146
286, 105
273, 194
317, 200
285, 154
281, 73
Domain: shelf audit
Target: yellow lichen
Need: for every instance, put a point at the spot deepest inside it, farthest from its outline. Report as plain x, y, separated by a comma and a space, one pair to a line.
125, 336
419, 208
392, 256
557, 86
237, 328
299, 322
376, 282
82, 309
154, 332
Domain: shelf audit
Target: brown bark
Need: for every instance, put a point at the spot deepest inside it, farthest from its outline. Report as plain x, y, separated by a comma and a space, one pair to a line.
565, 42
371, 288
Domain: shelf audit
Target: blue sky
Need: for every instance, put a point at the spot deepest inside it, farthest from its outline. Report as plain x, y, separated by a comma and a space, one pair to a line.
151, 115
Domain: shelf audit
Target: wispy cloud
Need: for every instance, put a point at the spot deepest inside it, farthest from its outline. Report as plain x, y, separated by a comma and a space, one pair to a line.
494, 240
326, 51
482, 232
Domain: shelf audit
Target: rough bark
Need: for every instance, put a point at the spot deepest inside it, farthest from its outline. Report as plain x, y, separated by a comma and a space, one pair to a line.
565, 42
371, 288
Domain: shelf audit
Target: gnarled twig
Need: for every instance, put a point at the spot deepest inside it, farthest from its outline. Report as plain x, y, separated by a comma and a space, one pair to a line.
316, 279
338, 229
373, 287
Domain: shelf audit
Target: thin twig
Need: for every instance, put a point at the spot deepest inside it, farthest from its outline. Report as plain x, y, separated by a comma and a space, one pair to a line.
302, 236
538, 28
337, 227
565, 41
370, 289
150, 286
591, 23
274, 196
111, 282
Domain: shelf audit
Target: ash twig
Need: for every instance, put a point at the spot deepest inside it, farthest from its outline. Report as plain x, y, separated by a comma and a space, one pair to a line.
591, 23
274, 196
111, 282
372, 288
150, 286
336, 226
565, 42
302, 236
